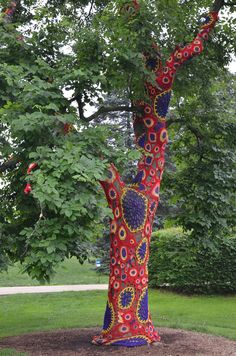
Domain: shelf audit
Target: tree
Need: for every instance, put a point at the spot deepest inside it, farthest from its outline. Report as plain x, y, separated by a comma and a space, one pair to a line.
204, 153
109, 48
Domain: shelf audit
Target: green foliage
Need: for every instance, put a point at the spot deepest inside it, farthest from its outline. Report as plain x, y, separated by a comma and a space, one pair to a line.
184, 264
68, 205
82, 49
203, 149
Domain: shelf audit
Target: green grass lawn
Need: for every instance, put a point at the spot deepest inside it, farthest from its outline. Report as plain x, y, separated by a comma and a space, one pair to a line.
11, 352
69, 272
32, 313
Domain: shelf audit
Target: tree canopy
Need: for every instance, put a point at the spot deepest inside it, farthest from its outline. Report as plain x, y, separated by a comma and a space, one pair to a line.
57, 58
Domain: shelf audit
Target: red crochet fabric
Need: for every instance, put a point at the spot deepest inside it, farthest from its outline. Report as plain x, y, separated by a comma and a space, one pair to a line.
127, 320
9, 12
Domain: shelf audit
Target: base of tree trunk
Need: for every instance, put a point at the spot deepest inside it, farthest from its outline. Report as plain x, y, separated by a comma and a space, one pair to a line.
132, 341
128, 327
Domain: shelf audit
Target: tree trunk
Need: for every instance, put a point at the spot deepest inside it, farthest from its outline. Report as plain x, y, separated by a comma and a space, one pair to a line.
127, 320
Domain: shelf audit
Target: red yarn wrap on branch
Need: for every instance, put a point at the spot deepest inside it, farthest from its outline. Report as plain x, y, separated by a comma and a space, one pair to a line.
10, 11
28, 188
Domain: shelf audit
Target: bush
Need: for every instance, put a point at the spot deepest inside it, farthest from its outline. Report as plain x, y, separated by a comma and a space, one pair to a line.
181, 263
102, 251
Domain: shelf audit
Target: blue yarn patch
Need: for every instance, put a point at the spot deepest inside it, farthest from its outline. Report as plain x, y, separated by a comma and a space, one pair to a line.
126, 298
134, 208
139, 177
142, 250
161, 104
141, 141
135, 341
142, 310
108, 318
159, 126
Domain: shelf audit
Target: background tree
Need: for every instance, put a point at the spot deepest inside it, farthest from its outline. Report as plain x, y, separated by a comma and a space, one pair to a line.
204, 152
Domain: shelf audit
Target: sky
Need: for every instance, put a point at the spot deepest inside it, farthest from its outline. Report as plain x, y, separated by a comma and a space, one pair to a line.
232, 66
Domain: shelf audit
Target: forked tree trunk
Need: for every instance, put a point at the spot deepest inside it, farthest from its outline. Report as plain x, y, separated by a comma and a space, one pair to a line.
127, 320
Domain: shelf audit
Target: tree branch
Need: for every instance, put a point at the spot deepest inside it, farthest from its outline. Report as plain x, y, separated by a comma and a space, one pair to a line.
218, 4
173, 120
102, 110
8, 165
78, 99
199, 136
105, 110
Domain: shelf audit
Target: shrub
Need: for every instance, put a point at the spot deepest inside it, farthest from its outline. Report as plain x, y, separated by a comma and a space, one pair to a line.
102, 251
181, 263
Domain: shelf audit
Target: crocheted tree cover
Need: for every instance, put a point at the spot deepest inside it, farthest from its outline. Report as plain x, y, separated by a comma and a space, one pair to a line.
127, 320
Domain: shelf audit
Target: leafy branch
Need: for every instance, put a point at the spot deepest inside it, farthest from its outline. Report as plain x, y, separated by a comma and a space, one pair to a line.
8, 165
107, 109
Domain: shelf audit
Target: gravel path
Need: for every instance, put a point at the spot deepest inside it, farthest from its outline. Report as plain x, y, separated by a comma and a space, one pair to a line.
51, 289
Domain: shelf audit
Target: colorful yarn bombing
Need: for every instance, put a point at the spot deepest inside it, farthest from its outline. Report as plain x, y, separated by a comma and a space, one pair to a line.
9, 12
127, 321
130, 9
31, 168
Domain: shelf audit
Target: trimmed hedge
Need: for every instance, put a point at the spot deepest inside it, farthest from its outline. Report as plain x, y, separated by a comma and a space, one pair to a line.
179, 262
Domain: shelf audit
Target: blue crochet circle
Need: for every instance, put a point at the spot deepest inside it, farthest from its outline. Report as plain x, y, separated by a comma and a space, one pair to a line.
126, 298
162, 104
134, 208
